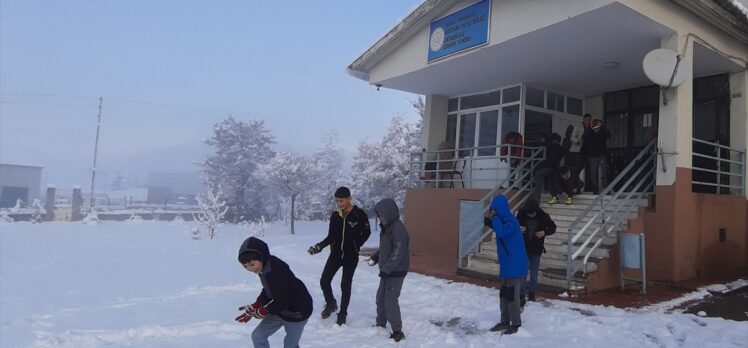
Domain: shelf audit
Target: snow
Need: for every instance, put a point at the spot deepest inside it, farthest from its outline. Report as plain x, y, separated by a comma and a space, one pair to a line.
149, 284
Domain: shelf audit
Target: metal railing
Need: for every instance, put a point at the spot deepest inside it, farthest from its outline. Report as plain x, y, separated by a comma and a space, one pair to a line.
517, 185
455, 167
615, 209
718, 168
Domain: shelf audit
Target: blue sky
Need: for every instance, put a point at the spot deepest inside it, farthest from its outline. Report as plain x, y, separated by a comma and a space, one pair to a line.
282, 61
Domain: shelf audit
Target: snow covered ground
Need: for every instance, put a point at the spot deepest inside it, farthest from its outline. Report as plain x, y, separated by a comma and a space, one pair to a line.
148, 284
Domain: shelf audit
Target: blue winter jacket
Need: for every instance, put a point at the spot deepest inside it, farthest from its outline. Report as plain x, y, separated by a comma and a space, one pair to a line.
509, 242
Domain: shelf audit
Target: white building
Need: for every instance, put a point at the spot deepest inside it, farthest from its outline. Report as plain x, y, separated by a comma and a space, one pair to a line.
536, 66
19, 182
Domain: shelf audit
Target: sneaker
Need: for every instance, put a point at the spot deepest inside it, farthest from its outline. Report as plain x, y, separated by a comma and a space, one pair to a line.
531, 296
569, 201
397, 336
511, 330
329, 309
553, 200
500, 327
341, 318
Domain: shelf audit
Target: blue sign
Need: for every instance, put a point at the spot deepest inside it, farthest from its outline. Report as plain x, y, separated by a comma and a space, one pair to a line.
461, 30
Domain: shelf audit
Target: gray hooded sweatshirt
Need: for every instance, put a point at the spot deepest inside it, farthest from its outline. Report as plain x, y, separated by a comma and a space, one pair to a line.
394, 250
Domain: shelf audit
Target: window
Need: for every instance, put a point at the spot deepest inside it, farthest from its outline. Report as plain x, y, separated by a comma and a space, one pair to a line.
452, 105
467, 133
480, 100
511, 94
535, 97
574, 106
489, 126
538, 127
451, 135
509, 119
555, 102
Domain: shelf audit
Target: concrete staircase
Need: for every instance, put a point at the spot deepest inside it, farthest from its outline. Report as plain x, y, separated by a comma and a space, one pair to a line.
552, 275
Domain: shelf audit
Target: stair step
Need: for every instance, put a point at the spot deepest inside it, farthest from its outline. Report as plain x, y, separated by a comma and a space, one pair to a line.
489, 262
551, 278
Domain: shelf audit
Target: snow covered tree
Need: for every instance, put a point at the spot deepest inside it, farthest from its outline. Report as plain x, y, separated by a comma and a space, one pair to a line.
292, 174
212, 208
240, 147
329, 160
37, 215
119, 182
381, 169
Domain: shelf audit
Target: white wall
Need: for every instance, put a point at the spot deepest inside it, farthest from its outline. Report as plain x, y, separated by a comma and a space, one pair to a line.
435, 122
22, 176
739, 118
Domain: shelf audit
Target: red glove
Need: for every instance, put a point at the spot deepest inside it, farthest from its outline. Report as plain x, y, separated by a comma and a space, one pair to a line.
249, 312
261, 313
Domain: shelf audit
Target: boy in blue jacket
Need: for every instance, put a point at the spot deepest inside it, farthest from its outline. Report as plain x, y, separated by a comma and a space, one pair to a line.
510, 246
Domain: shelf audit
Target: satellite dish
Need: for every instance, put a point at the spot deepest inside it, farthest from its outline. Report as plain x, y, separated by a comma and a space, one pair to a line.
665, 68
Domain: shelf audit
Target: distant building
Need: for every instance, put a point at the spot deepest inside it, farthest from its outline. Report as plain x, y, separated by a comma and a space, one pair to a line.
173, 187
19, 182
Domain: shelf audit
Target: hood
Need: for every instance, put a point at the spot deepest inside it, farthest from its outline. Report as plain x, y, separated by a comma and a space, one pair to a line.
501, 206
531, 205
387, 208
255, 245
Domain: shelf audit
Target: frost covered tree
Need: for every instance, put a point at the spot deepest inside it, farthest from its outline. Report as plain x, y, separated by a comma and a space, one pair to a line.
381, 169
240, 147
330, 172
212, 208
292, 174
37, 216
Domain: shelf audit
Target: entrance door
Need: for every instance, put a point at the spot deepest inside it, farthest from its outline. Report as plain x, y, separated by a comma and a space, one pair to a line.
631, 116
711, 123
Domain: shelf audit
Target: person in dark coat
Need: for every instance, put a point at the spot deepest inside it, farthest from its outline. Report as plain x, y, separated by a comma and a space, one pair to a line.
566, 181
510, 247
547, 167
284, 300
535, 225
596, 151
393, 258
349, 230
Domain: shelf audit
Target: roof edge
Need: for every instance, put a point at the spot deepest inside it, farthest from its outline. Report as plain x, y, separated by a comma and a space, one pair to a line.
726, 15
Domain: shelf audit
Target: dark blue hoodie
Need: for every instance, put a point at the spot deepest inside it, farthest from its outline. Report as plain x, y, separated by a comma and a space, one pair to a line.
291, 300
509, 241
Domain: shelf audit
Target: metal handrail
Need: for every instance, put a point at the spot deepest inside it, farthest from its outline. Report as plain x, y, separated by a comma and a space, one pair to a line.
601, 201
719, 171
522, 173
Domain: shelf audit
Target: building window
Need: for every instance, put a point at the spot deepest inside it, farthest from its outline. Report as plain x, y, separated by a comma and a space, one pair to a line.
555, 102
534, 97
467, 133
538, 127
509, 119
451, 135
489, 126
452, 104
574, 106
480, 100
511, 94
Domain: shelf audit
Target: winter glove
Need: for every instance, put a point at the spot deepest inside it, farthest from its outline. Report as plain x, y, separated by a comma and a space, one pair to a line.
487, 222
314, 249
261, 313
249, 311
373, 260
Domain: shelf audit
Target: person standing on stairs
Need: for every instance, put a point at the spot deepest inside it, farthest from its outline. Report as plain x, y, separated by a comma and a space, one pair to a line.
535, 225
349, 230
547, 167
595, 142
510, 247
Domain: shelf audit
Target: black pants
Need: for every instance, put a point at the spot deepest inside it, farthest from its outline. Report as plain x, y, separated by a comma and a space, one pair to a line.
331, 267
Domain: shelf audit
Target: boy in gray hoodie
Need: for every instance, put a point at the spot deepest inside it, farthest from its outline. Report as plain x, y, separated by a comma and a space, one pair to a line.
393, 258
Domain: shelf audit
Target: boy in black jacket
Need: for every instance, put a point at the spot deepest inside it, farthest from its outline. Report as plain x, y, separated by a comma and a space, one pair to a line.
565, 181
349, 230
535, 225
284, 300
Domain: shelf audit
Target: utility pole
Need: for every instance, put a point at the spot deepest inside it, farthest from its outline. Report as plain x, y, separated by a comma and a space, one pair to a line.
96, 150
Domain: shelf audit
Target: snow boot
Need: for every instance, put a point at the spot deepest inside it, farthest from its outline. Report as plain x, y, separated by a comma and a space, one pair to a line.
341, 318
500, 327
531, 296
511, 330
397, 336
329, 309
